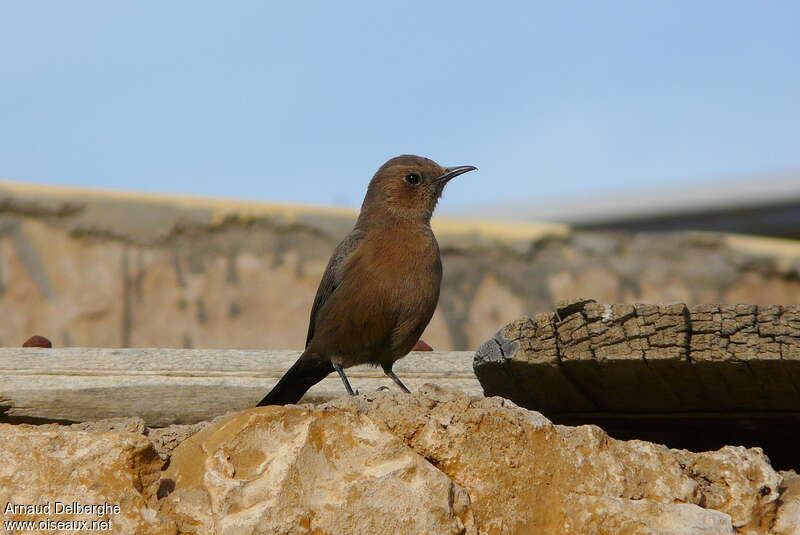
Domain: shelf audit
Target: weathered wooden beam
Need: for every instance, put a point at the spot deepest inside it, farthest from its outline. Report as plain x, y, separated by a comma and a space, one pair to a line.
168, 386
592, 358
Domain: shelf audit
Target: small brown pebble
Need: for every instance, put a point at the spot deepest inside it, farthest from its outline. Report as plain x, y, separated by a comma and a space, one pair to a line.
37, 341
421, 346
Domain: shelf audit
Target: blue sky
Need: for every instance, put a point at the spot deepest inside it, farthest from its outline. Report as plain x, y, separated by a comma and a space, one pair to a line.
301, 102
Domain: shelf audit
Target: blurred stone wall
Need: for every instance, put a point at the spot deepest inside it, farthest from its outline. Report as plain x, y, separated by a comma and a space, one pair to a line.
94, 268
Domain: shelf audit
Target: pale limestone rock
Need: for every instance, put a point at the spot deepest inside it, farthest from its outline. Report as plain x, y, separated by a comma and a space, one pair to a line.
523, 473
125, 425
62, 465
616, 516
132, 424
787, 521
166, 439
294, 470
737, 480
433, 462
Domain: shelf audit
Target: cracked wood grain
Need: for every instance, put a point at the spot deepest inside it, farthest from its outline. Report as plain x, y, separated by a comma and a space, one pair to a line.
646, 358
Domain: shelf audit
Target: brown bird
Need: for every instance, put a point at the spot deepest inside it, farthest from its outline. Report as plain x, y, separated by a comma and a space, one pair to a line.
382, 282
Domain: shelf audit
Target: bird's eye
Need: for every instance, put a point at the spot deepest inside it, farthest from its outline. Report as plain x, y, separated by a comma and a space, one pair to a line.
413, 178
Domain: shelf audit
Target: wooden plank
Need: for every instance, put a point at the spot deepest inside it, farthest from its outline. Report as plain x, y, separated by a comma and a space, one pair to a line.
648, 359
168, 386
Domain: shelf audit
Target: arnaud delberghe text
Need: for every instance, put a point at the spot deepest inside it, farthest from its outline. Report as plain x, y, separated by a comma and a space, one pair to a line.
63, 508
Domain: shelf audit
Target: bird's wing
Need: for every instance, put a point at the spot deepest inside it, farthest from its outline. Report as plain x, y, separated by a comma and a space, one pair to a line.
332, 277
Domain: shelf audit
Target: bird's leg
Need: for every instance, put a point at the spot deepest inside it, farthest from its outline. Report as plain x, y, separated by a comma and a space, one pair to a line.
340, 371
396, 379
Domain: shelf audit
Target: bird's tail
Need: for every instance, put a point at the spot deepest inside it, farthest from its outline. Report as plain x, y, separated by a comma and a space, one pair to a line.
305, 373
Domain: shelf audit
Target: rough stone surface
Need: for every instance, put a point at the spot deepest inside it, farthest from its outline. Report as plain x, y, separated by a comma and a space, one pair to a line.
163, 439
294, 470
526, 475
166, 439
787, 521
119, 425
436, 461
132, 424
616, 516
736, 480
44, 466
90, 268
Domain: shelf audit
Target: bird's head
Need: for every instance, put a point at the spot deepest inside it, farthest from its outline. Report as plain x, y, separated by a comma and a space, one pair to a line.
407, 188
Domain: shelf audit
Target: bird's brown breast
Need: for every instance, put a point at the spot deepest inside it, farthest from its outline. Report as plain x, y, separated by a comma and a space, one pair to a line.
386, 298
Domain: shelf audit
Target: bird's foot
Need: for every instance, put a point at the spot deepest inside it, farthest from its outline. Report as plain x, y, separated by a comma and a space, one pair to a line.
397, 380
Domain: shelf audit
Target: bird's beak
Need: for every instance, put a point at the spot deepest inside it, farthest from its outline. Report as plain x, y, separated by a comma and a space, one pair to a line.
452, 172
